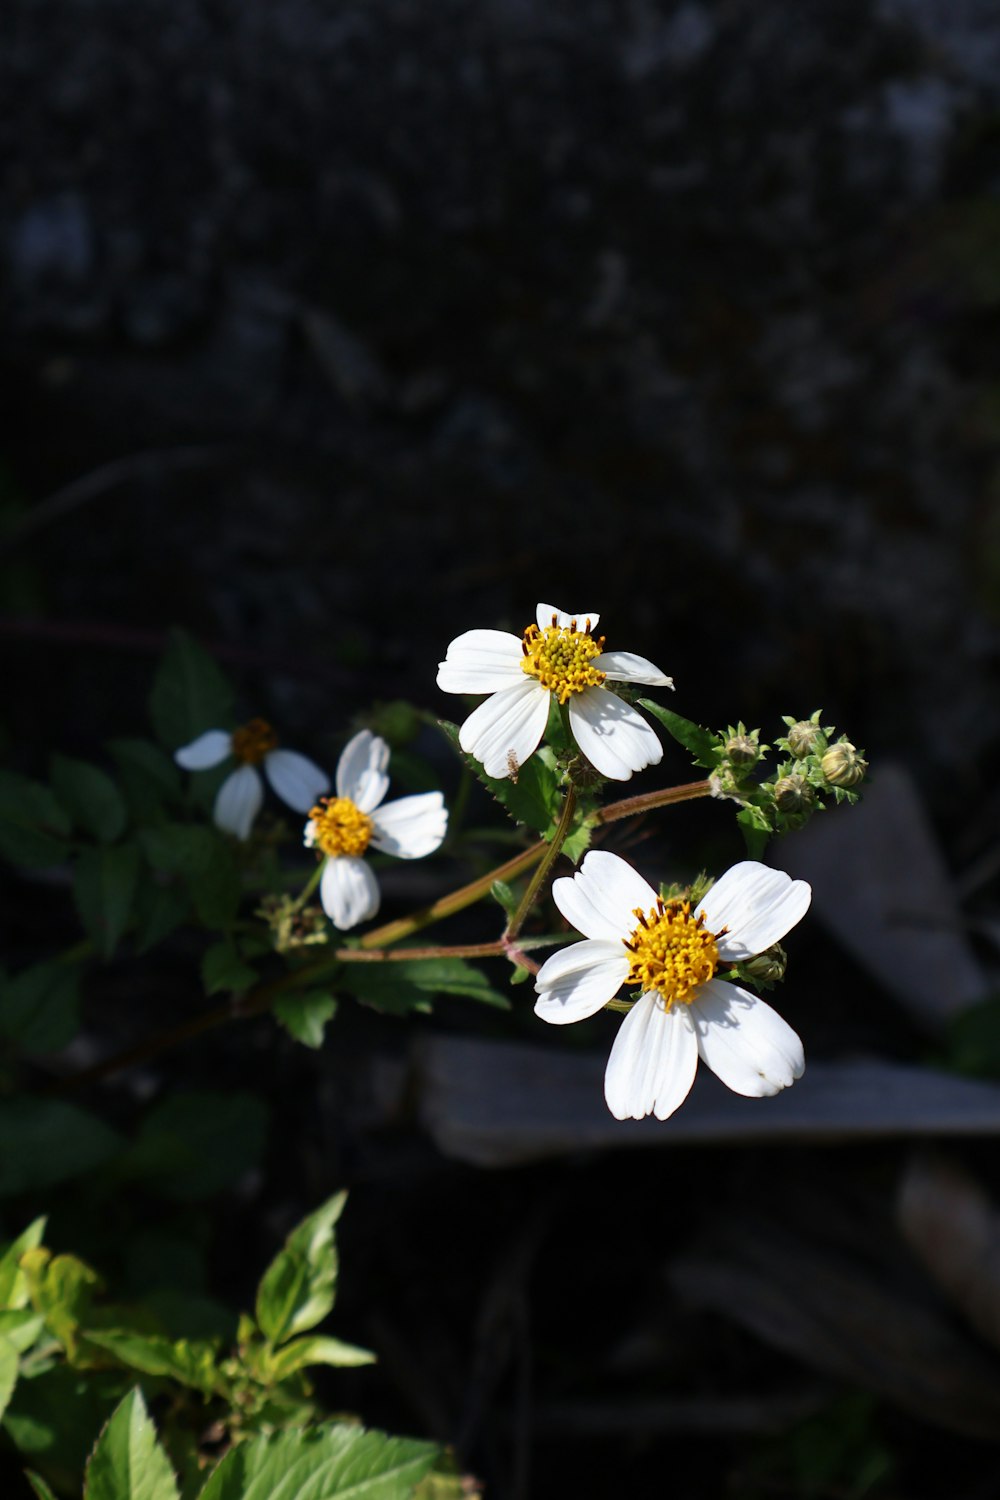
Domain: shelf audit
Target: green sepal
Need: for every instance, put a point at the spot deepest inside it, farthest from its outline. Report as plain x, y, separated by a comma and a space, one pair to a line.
90, 797
299, 1287
706, 748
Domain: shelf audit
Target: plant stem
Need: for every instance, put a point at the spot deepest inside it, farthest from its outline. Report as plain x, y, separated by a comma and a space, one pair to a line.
548, 859
631, 807
309, 887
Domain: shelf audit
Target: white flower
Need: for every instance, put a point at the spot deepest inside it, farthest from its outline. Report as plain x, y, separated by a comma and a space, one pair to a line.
522, 673
672, 954
342, 827
297, 780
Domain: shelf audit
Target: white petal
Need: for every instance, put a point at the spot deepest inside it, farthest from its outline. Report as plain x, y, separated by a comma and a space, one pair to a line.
545, 612
744, 1041
625, 666
411, 826
653, 1061
509, 724
601, 898
758, 905
207, 750
481, 661
348, 891
237, 802
297, 780
614, 738
578, 981
361, 770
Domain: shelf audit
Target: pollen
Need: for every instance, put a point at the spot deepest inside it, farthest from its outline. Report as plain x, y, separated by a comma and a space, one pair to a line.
251, 742
671, 952
562, 658
336, 826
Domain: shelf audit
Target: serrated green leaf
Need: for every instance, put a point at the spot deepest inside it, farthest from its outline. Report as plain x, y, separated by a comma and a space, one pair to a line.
104, 887
190, 693
32, 823
400, 985
222, 968
128, 1462
534, 798
191, 1361
193, 1145
10, 1363
90, 797
39, 1008
299, 1287
576, 844
304, 1016
316, 1349
13, 1283
326, 1463
21, 1328
61, 1288
45, 1141
149, 777
704, 746
161, 905
756, 830
204, 862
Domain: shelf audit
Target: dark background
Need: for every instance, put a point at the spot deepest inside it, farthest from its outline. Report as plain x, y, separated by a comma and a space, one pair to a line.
332, 330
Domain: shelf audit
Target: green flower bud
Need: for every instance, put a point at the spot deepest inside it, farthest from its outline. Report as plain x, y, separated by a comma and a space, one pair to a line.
742, 750
803, 738
793, 794
769, 967
842, 765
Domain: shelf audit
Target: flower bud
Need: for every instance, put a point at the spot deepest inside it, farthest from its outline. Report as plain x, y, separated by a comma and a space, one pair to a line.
842, 765
803, 737
742, 750
793, 794
769, 966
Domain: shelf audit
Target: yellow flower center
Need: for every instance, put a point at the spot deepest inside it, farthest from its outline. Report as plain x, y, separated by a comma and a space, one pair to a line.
671, 952
253, 741
561, 658
339, 827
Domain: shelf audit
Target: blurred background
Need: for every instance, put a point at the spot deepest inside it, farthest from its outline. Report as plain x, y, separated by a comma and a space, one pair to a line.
332, 330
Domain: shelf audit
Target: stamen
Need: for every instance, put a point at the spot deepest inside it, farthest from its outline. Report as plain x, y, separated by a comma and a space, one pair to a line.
561, 658
673, 953
338, 827
251, 742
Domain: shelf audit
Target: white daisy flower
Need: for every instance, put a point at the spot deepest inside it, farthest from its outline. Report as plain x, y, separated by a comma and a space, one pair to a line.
556, 656
633, 937
342, 827
297, 780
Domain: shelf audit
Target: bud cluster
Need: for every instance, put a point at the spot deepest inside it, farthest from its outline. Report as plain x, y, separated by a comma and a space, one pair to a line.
740, 752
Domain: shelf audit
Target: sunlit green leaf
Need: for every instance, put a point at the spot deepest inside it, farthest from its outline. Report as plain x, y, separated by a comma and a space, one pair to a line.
128, 1462
13, 1284
299, 1287
304, 1016
326, 1463
532, 795
10, 1363
191, 1361
315, 1349
705, 746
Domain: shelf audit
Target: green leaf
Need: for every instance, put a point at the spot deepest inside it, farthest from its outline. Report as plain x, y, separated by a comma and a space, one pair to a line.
315, 1349
46, 1141
160, 908
32, 824
104, 887
193, 1145
304, 1016
21, 1328
299, 1287
54, 1414
399, 985
190, 693
128, 1462
504, 896
10, 1363
149, 777
13, 1282
191, 1361
534, 798
90, 797
327, 1463
223, 969
576, 844
702, 743
204, 862
39, 1008
756, 830
61, 1288
39, 1486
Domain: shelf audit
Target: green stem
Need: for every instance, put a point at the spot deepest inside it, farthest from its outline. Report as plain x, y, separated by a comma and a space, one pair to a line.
631, 807
309, 887
548, 859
